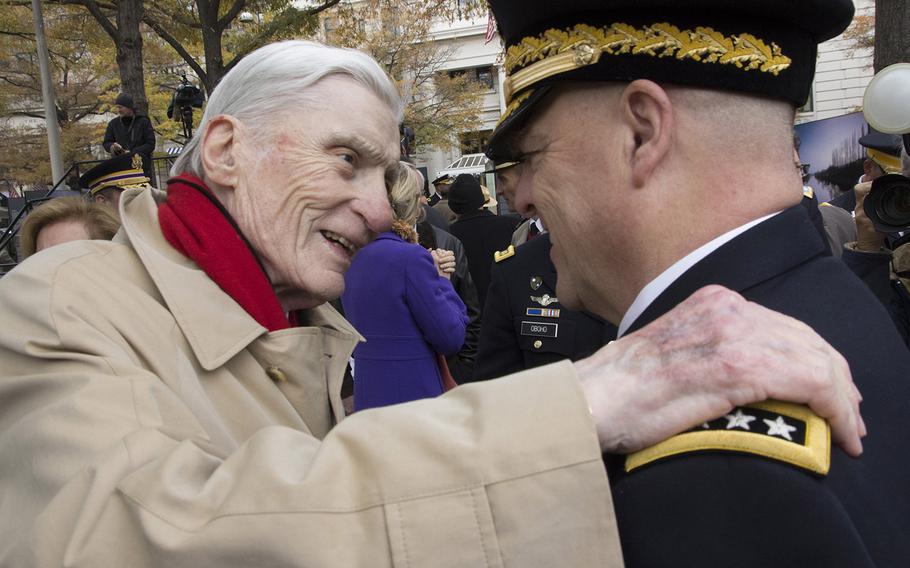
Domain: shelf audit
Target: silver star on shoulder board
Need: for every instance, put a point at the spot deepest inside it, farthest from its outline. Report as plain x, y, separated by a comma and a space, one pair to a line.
779, 428
739, 420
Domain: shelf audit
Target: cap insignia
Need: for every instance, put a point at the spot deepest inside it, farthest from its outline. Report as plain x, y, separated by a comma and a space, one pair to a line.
137, 161
561, 50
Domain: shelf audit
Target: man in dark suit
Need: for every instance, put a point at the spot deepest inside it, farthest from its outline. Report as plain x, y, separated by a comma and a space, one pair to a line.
524, 325
483, 233
613, 107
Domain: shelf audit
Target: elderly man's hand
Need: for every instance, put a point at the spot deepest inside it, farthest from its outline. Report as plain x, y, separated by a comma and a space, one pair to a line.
867, 238
711, 353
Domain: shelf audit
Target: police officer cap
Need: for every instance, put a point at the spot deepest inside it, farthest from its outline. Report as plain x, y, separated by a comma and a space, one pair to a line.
123, 172
884, 150
761, 47
890, 144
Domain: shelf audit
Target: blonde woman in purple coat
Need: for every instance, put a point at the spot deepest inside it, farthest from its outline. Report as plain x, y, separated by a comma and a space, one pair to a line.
398, 296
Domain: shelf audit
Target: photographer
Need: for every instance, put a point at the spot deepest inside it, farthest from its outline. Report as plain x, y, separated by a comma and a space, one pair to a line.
871, 258
130, 132
186, 97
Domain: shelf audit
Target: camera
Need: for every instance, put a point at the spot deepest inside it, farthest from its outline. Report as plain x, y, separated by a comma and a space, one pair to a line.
888, 203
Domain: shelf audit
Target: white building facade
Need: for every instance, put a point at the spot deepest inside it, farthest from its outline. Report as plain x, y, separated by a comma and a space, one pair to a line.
842, 74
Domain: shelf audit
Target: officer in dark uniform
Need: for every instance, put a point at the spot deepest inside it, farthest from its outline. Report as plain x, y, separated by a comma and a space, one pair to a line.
524, 325
760, 486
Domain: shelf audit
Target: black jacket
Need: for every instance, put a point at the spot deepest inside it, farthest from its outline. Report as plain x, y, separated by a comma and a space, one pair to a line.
722, 508
135, 135
874, 269
460, 364
483, 234
514, 336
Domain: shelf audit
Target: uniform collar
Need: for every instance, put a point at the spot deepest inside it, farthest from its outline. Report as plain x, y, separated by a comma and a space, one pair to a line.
655, 288
183, 284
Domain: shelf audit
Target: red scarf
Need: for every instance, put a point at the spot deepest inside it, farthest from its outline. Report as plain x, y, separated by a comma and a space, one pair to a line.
195, 223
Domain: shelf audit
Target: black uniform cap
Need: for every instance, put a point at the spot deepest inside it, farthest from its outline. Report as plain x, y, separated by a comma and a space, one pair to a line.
890, 144
884, 150
762, 47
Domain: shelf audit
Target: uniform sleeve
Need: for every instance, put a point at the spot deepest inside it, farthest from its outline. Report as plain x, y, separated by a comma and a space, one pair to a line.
499, 353
733, 510
104, 464
109, 137
439, 312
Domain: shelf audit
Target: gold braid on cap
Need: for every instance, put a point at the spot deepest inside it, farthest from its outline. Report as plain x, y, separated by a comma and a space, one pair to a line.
558, 51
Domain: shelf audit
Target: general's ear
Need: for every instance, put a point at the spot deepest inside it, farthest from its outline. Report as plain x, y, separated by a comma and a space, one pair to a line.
219, 150
648, 112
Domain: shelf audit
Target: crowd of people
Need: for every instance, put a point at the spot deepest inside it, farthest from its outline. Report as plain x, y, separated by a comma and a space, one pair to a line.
637, 369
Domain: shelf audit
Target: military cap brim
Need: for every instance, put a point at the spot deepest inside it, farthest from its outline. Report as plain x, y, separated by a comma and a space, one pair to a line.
890, 144
443, 179
762, 47
500, 166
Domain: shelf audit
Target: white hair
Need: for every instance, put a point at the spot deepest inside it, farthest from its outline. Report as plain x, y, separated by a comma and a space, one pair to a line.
261, 88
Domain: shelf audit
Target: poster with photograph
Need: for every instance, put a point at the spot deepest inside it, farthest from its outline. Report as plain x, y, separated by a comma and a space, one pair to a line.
831, 149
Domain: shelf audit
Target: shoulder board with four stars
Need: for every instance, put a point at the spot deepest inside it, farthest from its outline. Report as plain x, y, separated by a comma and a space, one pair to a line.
776, 430
501, 255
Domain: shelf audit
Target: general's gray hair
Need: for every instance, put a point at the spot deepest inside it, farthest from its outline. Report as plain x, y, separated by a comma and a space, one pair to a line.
268, 81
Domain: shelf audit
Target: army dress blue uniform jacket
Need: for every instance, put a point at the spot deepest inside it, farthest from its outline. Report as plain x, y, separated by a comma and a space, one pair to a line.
396, 299
518, 332
743, 510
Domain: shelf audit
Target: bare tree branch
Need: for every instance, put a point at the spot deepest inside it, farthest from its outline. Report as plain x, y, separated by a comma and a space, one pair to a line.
176, 45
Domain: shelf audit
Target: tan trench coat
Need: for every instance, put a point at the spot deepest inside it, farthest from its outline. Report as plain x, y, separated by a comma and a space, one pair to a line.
147, 420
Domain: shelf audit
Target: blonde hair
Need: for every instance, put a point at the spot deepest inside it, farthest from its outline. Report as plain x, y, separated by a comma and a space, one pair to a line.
99, 220
404, 197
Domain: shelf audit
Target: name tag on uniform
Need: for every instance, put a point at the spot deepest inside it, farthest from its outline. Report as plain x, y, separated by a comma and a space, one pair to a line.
539, 329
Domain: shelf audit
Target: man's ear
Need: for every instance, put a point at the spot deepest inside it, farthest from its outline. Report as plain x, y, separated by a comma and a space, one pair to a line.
647, 111
219, 150
98, 198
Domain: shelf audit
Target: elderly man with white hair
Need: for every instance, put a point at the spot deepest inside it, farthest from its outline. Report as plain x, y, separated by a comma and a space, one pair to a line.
172, 398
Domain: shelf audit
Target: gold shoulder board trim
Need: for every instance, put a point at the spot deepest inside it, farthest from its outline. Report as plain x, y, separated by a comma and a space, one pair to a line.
757, 434
808, 192
499, 256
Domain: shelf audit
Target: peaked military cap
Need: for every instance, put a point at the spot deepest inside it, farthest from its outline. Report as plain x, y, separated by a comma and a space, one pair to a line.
762, 47
444, 179
499, 166
124, 172
884, 150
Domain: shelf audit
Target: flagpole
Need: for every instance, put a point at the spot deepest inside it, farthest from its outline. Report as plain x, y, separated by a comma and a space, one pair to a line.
47, 91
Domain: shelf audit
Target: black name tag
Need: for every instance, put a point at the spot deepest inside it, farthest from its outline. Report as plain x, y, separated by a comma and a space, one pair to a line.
539, 329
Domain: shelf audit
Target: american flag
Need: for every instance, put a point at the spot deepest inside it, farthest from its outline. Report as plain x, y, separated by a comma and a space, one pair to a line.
491, 28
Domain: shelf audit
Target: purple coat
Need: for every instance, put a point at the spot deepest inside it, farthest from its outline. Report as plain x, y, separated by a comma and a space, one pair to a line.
407, 312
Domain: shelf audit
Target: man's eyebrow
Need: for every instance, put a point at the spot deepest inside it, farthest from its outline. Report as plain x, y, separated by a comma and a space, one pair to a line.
363, 146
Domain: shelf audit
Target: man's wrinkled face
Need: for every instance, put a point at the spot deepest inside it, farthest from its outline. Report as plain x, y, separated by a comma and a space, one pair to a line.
314, 192
124, 112
570, 177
